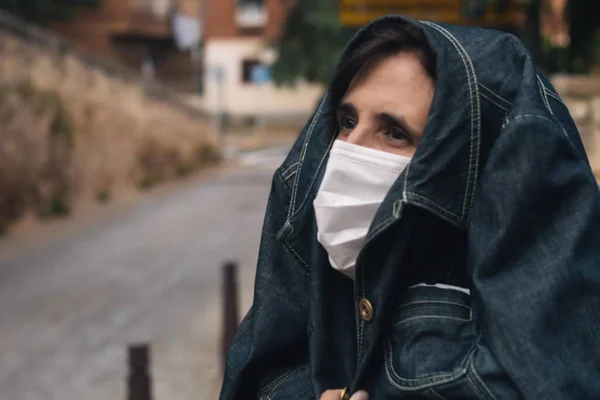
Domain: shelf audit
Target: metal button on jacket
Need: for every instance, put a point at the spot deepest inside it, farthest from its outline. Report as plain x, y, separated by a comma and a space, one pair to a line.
345, 394
365, 308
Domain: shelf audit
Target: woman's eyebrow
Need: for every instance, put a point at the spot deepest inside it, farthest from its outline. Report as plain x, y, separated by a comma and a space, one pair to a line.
388, 118
346, 107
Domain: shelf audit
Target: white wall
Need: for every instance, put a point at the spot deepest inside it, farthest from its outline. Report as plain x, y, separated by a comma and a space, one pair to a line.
243, 99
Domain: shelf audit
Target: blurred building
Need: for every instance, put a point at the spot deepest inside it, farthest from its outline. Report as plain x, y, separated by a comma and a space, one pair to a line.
137, 33
159, 38
237, 35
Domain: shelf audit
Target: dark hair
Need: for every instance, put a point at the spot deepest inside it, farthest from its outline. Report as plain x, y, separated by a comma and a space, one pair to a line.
379, 41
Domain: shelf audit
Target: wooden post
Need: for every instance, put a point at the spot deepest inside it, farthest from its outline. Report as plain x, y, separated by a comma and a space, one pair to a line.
139, 381
230, 308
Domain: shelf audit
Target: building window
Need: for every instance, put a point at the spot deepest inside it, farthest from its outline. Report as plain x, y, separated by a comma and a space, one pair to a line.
255, 3
247, 66
251, 14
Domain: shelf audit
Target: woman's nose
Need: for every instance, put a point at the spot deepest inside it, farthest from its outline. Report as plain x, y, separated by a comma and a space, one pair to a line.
359, 136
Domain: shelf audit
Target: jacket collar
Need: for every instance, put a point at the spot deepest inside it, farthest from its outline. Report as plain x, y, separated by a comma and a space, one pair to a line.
444, 171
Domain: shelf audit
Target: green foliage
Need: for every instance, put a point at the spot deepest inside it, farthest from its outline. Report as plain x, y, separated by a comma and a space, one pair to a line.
581, 55
60, 204
311, 43
61, 127
41, 183
585, 26
313, 39
207, 155
43, 11
103, 196
184, 169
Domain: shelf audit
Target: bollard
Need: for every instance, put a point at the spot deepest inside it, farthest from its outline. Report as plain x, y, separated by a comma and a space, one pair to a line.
230, 308
139, 382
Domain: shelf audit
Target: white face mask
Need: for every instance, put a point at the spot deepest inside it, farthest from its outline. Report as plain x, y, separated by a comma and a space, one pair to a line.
356, 181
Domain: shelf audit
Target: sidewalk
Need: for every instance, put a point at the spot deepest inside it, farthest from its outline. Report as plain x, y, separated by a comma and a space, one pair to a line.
198, 376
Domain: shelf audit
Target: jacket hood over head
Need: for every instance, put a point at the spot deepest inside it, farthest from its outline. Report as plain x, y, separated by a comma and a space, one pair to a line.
484, 78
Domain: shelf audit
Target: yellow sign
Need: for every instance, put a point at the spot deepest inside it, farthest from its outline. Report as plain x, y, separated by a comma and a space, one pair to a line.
356, 13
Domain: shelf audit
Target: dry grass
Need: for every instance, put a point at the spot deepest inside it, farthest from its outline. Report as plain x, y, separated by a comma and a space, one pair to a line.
73, 135
36, 150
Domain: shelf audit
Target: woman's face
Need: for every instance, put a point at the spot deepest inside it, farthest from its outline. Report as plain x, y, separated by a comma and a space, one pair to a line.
387, 104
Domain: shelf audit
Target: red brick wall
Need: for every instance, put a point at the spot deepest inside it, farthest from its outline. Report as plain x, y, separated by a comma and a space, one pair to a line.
220, 19
91, 28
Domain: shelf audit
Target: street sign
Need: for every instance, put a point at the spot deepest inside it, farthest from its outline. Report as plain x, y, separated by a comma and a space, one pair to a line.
356, 13
360, 12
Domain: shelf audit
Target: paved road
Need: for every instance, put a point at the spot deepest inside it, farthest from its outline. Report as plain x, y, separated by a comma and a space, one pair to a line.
69, 307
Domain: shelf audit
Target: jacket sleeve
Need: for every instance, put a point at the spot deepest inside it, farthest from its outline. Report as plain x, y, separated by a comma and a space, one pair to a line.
273, 335
534, 258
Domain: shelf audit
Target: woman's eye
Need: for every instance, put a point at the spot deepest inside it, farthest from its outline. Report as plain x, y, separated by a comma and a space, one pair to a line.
347, 122
397, 134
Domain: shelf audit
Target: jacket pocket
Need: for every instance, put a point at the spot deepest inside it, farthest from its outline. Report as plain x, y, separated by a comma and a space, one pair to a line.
293, 384
432, 337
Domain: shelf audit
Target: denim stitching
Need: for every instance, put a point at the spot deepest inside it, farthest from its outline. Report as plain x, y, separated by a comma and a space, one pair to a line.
475, 171
404, 191
358, 320
544, 91
276, 383
492, 101
482, 386
303, 265
496, 95
292, 173
471, 181
380, 227
397, 208
551, 93
362, 322
442, 214
473, 371
434, 393
476, 389
543, 94
312, 182
475, 155
303, 154
444, 378
553, 122
413, 379
291, 170
429, 202
523, 116
554, 96
283, 182
453, 303
450, 39
433, 316
283, 232
273, 386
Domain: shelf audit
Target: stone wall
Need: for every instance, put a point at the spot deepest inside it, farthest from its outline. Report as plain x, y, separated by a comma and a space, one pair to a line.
581, 94
84, 128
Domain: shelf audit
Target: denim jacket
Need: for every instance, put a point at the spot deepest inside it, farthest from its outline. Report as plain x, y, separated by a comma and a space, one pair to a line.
499, 198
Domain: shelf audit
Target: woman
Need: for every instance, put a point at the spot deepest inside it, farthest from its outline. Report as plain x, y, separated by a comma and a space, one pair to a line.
433, 233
